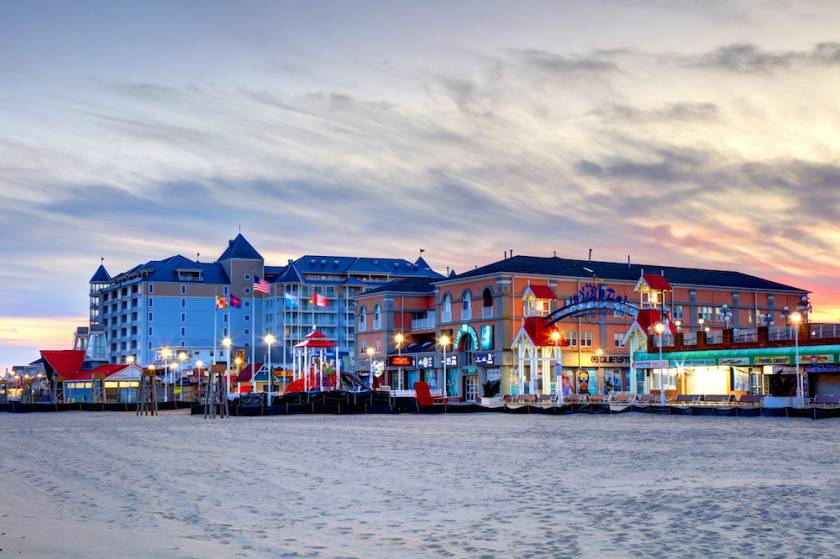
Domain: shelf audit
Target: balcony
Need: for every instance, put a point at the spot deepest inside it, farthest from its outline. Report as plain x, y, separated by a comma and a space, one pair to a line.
427, 323
825, 331
780, 333
745, 336
713, 338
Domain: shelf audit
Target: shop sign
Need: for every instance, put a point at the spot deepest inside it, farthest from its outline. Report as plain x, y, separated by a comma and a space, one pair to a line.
816, 359
486, 341
594, 299
772, 360
610, 359
400, 361
651, 364
469, 331
426, 362
470, 371
734, 361
450, 361
693, 362
823, 368
485, 358
494, 374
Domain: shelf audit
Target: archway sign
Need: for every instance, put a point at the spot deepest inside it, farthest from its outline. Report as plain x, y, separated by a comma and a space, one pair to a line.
593, 300
465, 330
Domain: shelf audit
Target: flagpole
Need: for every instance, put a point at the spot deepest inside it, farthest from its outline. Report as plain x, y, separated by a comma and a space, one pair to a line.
215, 357
230, 335
283, 324
253, 340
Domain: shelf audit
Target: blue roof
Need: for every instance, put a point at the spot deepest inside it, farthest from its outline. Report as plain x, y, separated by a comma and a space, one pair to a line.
407, 285
101, 275
621, 271
314, 264
167, 270
239, 247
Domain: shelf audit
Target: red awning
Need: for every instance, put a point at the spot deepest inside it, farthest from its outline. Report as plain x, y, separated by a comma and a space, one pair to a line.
542, 292
656, 282
315, 339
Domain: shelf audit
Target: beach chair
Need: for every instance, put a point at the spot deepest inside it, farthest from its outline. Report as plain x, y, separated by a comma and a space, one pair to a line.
544, 399
424, 396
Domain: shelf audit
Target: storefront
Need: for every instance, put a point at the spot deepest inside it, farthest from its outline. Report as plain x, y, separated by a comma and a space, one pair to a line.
762, 371
589, 372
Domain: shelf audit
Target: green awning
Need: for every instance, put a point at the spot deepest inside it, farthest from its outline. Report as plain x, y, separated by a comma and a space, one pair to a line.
812, 354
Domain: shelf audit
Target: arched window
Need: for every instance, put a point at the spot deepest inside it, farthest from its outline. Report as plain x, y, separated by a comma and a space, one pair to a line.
487, 303
377, 317
466, 305
446, 309
362, 319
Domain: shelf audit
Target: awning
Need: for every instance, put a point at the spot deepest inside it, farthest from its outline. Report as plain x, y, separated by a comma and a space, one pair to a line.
808, 355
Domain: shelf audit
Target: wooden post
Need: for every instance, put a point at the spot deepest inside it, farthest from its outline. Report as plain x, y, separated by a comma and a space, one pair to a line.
147, 393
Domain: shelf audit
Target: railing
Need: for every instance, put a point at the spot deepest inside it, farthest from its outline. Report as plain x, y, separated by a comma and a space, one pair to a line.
667, 341
780, 333
825, 330
714, 338
486, 312
423, 323
744, 336
690, 338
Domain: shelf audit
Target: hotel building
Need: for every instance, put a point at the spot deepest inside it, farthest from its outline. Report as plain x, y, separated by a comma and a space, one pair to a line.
502, 320
170, 303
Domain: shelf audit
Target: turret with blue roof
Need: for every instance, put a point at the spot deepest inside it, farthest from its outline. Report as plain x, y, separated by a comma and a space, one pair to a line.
101, 275
240, 248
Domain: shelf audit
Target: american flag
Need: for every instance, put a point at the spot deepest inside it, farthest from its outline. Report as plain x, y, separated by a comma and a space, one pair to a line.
261, 285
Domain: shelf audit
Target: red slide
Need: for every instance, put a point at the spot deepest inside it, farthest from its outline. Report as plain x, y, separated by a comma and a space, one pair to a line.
298, 386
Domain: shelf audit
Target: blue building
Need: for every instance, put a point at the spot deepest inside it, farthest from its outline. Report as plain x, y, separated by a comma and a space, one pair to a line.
164, 311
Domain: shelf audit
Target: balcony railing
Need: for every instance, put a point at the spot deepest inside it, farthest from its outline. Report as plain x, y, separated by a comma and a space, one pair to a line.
780, 333
825, 330
690, 338
745, 336
667, 341
423, 323
714, 338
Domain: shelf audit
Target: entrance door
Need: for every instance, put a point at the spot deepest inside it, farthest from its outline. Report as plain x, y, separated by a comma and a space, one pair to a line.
471, 388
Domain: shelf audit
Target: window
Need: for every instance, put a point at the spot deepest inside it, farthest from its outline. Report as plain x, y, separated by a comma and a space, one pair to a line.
706, 313
586, 339
134, 289
150, 330
247, 303
134, 317
226, 290
183, 331
362, 319
679, 312
134, 303
618, 340
377, 317
466, 305
247, 290
571, 336
247, 332
133, 344
247, 276
183, 290
247, 317
487, 303
151, 301
183, 317
123, 331
225, 317
362, 348
183, 303
225, 333
151, 288
150, 317
134, 330
446, 309
105, 322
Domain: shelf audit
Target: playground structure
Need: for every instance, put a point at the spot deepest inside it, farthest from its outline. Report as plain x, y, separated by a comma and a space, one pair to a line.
310, 367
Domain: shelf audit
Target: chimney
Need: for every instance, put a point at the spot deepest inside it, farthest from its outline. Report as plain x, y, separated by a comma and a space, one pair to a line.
511, 253
628, 261
590, 255
555, 254
447, 270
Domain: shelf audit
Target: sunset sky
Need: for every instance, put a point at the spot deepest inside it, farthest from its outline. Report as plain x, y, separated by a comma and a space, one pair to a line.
683, 133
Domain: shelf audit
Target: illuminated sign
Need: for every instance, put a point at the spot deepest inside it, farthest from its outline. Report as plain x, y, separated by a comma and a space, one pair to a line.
816, 359
451, 361
734, 361
651, 364
591, 300
485, 359
486, 337
610, 359
466, 330
426, 362
400, 361
775, 360
693, 362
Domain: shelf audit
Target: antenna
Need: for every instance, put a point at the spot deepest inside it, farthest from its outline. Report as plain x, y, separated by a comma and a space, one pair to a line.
628, 260
197, 256
555, 254
240, 228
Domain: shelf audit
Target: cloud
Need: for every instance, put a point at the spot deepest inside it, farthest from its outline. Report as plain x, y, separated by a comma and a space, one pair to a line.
745, 57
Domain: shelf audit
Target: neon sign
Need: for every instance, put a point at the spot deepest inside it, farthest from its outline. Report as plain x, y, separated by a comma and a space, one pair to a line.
593, 300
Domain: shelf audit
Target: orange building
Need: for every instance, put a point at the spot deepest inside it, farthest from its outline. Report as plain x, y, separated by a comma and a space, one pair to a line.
516, 319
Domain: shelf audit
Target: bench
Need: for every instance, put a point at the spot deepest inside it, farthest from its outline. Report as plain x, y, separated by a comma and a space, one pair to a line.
649, 399
827, 400
750, 399
599, 399
688, 399
575, 398
623, 398
718, 398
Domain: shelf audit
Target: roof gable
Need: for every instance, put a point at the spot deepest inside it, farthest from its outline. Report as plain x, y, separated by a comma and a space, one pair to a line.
101, 275
240, 248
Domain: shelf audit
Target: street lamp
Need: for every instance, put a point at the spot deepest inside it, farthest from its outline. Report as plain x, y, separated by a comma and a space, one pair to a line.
182, 357
659, 328
370, 353
399, 339
558, 366
444, 342
726, 315
678, 323
269, 339
226, 343
129, 360
165, 354
795, 318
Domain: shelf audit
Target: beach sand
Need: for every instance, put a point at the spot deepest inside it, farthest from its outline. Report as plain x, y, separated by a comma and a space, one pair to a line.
92, 485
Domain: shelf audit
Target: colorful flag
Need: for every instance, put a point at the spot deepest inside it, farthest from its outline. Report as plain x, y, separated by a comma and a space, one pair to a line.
235, 301
221, 303
319, 300
262, 285
291, 300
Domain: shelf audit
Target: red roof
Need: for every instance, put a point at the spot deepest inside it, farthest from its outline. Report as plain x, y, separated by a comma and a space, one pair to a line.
542, 292
540, 334
246, 373
64, 361
315, 339
657, 282
647, 319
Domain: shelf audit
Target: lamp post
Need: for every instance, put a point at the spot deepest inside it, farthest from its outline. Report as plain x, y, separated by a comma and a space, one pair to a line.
558, 366
678, 324
237, 362
182, 357
165, 354
444, 341
726, 315
226, 343
659, 328
198, 366
370, 353
399, 339
795, 318
598, 353
269, 339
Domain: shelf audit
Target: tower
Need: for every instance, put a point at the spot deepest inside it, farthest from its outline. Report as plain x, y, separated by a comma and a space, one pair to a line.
100, 279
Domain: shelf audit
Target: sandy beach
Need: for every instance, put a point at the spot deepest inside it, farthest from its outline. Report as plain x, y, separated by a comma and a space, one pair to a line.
114, 485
